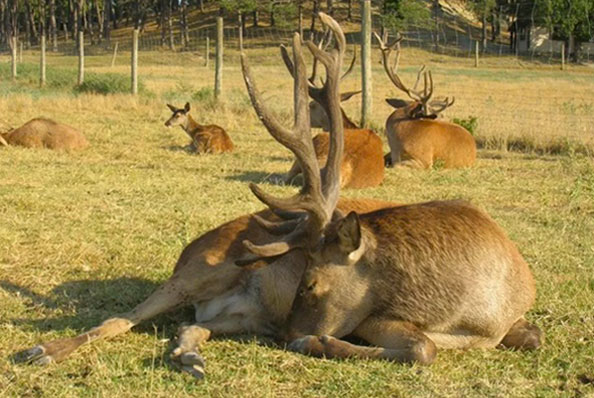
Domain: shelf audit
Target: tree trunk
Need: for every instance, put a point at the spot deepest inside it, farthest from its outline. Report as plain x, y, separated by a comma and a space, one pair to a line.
53, 25
107, 20
350, 11
201, 5
100, 21
255, 18
330, 7
314, 15
484, 31
169, 17
162, 22
183, 22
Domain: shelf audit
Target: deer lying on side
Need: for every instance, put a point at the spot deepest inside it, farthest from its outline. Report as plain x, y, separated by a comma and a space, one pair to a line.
363, 160
205, 139
416, 139
408, 279
230, 299
45, 133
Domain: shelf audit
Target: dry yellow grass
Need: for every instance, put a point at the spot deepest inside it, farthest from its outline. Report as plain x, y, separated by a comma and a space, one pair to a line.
86, 235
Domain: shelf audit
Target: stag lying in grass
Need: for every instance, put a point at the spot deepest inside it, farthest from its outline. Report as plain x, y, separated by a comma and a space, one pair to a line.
407, 279
205, 138
45, 133
416, 139
227, 299
363, 161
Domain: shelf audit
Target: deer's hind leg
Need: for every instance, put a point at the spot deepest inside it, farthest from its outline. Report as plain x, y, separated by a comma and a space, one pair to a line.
396, 341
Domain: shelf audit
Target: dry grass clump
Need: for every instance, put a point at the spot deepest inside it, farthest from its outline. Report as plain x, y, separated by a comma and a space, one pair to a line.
89, 234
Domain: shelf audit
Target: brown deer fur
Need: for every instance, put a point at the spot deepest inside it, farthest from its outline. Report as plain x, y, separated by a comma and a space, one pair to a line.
205, 138
45, 133
363, 160
409, 279
419, 143
426, 276
415, 138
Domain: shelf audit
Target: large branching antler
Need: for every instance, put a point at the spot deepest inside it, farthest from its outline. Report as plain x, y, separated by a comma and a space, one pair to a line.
423, 96
319, 194
316, 91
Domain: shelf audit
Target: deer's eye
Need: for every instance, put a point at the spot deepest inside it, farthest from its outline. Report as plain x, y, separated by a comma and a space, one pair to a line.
311, 286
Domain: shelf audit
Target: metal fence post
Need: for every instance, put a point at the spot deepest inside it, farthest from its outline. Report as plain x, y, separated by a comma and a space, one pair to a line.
366, 62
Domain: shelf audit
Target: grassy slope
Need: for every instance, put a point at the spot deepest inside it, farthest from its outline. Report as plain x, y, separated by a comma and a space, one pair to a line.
87, 235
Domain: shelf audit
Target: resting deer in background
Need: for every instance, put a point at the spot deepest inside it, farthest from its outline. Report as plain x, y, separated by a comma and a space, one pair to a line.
205, 139
416, 139
408, 279
45, 133
227, 299
363, 161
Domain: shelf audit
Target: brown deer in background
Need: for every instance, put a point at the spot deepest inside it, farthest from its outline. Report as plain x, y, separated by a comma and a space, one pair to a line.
416, 139
45, 133
363, 161
205, 138
227, 299
408, 279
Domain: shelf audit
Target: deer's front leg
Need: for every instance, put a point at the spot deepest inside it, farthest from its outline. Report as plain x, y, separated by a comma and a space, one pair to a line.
397, 341
186, 356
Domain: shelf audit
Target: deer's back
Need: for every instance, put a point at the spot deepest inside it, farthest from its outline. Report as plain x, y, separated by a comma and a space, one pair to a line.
446, 266
431, 140
212, 139
363, 159
46, 133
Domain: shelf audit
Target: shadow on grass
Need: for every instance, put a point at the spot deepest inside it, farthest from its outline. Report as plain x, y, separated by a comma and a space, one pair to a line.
259, 177
89, 302
179, 148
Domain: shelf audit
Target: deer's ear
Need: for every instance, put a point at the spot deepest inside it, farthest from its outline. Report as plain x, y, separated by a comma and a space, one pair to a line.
187, 107
349, 233
348, 95
173, 108
397, 102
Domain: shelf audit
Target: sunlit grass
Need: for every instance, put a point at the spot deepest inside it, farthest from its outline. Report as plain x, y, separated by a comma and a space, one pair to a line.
89, 234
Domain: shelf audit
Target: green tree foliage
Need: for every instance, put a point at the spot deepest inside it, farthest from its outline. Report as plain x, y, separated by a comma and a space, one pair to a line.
398, 15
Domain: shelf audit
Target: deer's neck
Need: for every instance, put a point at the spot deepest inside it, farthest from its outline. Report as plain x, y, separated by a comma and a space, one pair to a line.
192, 126
346, 122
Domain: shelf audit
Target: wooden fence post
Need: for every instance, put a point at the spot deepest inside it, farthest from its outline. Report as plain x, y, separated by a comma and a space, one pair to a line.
134, 62
13, 57
219, 59
366, 62
42, 62
476, 54
563, 56
21, 52
207, 52
115, 54
81, 57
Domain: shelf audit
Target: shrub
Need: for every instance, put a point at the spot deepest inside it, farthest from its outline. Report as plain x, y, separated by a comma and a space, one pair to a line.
470, 123
106, 83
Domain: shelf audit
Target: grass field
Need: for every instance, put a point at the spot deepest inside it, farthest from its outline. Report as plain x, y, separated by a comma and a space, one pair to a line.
86, 235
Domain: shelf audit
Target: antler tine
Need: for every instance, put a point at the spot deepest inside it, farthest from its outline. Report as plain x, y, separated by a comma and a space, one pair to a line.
333, 62
390, 71
298, 140
439, 106
352, 65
